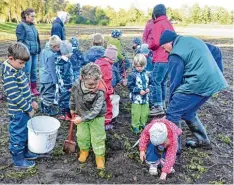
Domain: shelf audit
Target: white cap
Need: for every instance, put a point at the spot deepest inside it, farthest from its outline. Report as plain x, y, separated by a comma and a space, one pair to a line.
158, 133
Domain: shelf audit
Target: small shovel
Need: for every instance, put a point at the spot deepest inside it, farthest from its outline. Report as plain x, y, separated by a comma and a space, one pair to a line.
69, 144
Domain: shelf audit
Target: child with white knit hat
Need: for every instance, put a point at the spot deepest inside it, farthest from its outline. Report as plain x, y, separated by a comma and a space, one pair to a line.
158, 145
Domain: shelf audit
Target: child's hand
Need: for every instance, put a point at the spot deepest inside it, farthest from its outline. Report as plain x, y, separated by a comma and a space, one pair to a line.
125, 82
72, 112
31, 114
147, 90
142, 156
77, 120
34, 105
163, 176
142, 92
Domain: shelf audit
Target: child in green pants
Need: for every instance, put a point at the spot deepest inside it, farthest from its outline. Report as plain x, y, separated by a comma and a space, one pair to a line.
138, 85
88, 103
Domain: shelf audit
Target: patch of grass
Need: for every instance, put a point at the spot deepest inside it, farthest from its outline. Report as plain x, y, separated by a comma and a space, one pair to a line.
225, 139
22, 174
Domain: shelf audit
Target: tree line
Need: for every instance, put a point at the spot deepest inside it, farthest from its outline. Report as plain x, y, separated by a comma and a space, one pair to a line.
92, 15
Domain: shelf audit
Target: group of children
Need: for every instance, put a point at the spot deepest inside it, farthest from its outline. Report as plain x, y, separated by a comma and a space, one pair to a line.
73, 83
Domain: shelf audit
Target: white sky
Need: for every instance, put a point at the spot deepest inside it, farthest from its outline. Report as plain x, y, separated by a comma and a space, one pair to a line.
145, 4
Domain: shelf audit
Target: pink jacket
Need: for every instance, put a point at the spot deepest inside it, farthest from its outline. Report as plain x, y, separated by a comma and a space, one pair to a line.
147, 34
106, 69
173, 133
160, 25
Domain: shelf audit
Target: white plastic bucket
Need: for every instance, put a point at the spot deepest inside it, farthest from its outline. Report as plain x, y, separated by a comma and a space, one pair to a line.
115, 103
42, 134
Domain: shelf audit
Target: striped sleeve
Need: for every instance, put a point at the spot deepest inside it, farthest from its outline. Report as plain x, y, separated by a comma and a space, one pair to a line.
15, 95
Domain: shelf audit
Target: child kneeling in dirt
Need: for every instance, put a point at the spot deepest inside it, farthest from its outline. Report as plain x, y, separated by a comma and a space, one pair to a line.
158, 145
138, 85
20, 104
88, 103
48, 78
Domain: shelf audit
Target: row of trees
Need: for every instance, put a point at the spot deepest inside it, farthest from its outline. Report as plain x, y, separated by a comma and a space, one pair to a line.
46, 11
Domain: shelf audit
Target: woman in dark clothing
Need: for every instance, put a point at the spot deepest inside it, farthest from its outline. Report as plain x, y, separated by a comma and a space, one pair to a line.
27, 33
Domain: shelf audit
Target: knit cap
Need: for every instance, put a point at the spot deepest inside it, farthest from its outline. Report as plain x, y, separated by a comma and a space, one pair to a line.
74, 41
144, 49
137, 41
111, 52
167, 36
65, 47
98, 39
158, 133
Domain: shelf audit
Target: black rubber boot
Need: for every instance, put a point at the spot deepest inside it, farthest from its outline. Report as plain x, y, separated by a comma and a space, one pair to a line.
197, 128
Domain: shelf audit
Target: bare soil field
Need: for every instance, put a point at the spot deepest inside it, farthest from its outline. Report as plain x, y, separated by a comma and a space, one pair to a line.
196, 166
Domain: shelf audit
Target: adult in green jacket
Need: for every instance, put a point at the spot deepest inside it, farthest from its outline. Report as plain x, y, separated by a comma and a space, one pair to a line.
194, 78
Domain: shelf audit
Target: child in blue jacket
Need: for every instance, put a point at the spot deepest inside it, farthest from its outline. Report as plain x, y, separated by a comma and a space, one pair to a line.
138, 85
47, 74
97, 50
77, 58
65, 77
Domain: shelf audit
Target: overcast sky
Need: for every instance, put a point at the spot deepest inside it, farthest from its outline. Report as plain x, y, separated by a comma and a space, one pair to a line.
145, 4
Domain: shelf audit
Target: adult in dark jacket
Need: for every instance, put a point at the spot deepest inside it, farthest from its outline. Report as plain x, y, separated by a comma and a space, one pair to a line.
194, 78
58, 25
27, 33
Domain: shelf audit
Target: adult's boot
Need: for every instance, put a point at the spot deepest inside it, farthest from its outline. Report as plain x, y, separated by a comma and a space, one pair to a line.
34, 89
20, 161
199, 131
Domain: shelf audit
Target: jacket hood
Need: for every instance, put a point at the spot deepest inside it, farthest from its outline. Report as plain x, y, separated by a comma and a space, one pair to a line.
58, 20
62, 16
104, 61
161, 18
101, 86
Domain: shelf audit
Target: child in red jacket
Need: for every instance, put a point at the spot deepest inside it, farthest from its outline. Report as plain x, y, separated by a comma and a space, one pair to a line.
158, 145
105, 64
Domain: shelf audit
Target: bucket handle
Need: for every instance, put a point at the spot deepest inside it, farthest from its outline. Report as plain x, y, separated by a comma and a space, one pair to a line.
33, 127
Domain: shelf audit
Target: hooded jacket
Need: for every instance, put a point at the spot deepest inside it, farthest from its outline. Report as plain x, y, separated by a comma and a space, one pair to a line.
88, 104
160, 25
94, 53
17, 89
173, 133
147, 34
58, 28
106, 69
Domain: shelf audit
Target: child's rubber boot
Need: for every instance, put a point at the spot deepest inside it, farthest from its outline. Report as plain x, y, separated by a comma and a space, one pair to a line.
135, 130
100, 162
20, 162
34, 89
29, 155
83, 156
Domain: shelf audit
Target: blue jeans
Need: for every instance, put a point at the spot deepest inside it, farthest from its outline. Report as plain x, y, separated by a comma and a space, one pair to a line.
18, 132
64, 97
153, 155
184, 106
159, 79
30, 68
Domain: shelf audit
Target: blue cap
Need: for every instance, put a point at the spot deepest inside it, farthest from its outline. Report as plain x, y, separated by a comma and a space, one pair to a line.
167, 36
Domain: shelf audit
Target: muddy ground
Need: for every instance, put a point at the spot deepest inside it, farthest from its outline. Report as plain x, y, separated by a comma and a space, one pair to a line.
122, 162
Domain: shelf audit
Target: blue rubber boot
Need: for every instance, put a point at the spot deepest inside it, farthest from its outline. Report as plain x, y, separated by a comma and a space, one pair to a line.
20, 162
29, 155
